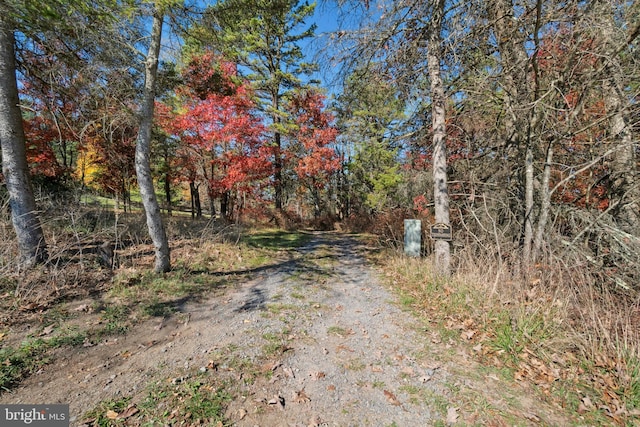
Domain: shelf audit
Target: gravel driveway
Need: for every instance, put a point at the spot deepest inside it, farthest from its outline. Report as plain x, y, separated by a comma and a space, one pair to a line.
315, 340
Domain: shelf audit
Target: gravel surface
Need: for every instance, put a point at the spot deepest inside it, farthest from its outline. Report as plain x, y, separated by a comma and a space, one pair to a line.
332, 347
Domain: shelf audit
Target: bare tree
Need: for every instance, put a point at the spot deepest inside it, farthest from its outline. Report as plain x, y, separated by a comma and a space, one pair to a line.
143, 149
438, 120
625, 191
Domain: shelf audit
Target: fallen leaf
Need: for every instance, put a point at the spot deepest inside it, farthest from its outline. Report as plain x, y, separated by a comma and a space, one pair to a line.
270, 366
452, 415
301, 397
277, 400
392, 398
83, 307
129, 412
468, 334
274, 378
30, 306
112, 415
531, 417
316, 421
343, 347
47, 330
289, 372
241, 413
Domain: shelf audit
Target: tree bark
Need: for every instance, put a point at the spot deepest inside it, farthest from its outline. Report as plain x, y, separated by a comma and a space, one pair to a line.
528, 205
277, 155
625, 190
24, 217
143, 149
545, 204
441, 195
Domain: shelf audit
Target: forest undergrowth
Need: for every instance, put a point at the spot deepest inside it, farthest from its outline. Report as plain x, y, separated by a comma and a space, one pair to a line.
555, 325
574, 342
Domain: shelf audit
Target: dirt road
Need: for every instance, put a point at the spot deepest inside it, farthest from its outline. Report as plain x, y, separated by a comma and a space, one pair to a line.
314, 340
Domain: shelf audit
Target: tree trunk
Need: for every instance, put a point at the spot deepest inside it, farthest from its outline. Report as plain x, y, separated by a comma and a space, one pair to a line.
196, 207
519, 121
545, 204
528, 205
22, 202
224, 204
625, 190
438, 114
277, 164
167, 191
143, 148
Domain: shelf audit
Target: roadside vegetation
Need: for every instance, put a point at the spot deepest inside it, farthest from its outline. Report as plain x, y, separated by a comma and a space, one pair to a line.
574, 347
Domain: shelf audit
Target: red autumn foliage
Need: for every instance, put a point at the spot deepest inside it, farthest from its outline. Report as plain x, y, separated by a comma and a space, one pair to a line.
315, 160
219, 128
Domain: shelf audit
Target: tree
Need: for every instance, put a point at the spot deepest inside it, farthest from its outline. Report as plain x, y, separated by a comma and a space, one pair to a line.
143, 150
625, 190
310, 147
369, 117
220, 131
438, 115
406, 34
262, 36
26, 223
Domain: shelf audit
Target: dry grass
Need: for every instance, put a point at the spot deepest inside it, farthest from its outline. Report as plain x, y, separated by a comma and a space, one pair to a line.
577, 342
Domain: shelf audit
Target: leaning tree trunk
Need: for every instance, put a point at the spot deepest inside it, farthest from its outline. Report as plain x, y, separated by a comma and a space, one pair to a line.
143, 149
441, 195
26, 223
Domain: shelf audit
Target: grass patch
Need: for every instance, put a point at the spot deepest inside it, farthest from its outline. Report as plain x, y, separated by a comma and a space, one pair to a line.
277, 239
198, 400
100, 415
355, 364
159, 309
279, 308
339, 331
16, 363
